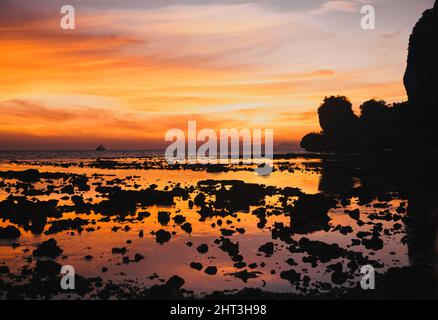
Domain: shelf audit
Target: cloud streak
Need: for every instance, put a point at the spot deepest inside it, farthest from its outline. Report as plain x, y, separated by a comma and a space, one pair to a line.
140, 68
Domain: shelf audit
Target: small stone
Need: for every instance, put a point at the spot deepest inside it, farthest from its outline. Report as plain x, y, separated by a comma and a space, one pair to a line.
203, 248
211, 270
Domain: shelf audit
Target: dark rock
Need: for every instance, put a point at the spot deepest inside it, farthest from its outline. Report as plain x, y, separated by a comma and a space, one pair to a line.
203, 248
163, 217
227, 232
291, 262
175, 282
138, 257
143, 215
211, 270
9, 232
245, 275
309, 213
375, 243
179, 219
162, 236
47, 268
267, 249
4, 269
343, 229
66, 224
240, 265
199, 199
320, 250
48, 249
121, 251
292, 276
339, 278
187, 227
354, 214
196, 265
228, 246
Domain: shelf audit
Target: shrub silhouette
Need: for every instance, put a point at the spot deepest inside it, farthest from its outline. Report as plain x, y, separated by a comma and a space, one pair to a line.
314, 142
336, 117
339, 126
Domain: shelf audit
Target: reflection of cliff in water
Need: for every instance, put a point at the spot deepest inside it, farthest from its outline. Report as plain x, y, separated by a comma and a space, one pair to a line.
413, 176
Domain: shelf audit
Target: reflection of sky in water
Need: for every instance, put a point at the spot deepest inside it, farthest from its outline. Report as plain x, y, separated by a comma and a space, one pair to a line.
174, 257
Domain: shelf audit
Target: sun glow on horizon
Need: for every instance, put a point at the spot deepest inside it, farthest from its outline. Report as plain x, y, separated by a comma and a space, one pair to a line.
130, 73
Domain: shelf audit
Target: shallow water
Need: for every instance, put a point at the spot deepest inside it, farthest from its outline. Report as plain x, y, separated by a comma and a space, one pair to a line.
162, 261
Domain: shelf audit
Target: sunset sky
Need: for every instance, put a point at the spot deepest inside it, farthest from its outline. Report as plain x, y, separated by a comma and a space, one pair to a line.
134, 69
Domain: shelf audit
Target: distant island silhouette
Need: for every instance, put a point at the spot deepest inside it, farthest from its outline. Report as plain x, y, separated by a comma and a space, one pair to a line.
100, 148
409, 124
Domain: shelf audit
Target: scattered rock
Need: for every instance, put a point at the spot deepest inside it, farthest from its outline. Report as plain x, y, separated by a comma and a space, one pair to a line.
203, 248
138, 257
227, 232
162, 236
175, 282
163, 218
121, 251
187, 227
48, 249
47, 268
245, 275
267, 249
375, 243
354, 214
4, 270
179, 219
292, 276
309, 213
9, 232
211, 270
196, 265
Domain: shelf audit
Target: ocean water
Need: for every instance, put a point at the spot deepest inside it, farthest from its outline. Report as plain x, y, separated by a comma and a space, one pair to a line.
67, 155
247, 228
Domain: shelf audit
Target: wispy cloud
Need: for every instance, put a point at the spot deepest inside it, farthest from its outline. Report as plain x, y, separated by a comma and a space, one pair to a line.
136, 68
337, 5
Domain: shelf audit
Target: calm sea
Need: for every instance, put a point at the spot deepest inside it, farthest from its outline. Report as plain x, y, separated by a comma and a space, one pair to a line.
65, 155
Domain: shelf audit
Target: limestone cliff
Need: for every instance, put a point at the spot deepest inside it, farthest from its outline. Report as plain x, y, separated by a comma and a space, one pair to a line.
421, 77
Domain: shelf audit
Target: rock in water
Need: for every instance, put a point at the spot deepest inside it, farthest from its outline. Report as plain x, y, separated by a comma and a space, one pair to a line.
212, 270
47, 268
48, 249
9, 232
162, 236
421, 77
267, 249
175, 282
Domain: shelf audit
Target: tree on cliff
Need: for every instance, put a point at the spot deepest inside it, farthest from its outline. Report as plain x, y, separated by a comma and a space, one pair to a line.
402, 125
338, 123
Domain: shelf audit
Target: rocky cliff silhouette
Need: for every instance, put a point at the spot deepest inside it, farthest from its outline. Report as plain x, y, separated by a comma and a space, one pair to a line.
421, 77
411, 124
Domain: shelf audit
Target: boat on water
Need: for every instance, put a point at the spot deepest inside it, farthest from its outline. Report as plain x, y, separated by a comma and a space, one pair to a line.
100, 148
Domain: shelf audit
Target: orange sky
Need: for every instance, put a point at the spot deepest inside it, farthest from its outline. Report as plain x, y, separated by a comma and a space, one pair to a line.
129, 73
